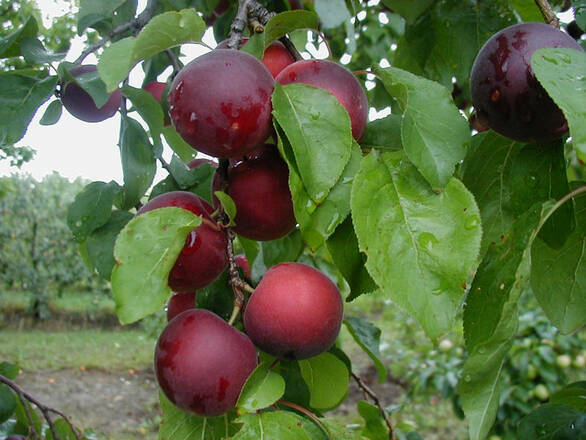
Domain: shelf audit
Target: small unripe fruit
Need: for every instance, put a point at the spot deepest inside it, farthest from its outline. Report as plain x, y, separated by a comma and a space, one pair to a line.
579, 362
180, 302
445, 345
203, 258
220, 103
505, 91
80, 104
337, 80
541, 392
202, 362
531, 372
563, 361
295, 312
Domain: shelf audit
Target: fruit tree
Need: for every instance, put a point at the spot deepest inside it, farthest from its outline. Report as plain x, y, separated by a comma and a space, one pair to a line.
429, 153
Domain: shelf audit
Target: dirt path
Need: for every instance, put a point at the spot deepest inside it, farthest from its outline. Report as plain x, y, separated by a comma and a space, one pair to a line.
124, 406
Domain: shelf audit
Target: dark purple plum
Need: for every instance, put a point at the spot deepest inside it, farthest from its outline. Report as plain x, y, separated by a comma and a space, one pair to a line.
80, 104
295, 312
180, 302
337, 80
505, 92
220, 103
202, 362
259, 186
203, 258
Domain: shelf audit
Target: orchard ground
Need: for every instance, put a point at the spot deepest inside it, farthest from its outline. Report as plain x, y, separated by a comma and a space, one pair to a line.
84, 363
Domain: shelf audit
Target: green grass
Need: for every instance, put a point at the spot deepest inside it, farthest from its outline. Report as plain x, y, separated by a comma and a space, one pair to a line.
110, 350
75, 302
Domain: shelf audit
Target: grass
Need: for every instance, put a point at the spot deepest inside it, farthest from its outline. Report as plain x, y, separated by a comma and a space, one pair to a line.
73, 302
111, 350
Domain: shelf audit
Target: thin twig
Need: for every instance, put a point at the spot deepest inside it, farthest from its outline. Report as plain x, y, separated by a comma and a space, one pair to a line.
377, 402
547, 12
136, 25
238, 24
174, 62
46, 410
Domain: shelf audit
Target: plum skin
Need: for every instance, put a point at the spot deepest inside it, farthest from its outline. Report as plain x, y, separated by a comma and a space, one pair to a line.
203, 258
220, 103
336, 79
505, 92
201, 362
156, 89
81, 105
295, 312
259, 186
275, 58
180, 302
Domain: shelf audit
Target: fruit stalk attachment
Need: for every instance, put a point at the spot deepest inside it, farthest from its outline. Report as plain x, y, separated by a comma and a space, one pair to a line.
23, 396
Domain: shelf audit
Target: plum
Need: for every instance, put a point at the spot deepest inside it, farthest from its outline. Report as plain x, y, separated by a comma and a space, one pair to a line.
295, 312
220, 103
180, 302
275, 58
505, 92
201, 362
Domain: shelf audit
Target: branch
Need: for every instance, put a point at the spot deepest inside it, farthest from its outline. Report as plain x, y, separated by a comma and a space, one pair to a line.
238, 24
547, 12
376, 401
46, 410
136, 25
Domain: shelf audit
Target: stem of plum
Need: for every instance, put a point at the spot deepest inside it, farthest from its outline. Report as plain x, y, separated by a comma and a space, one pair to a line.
547, 12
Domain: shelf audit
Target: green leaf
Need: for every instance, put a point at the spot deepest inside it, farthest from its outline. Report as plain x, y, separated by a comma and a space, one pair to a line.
10, 44
343, 248
91, 208
339, 432
553, 421
145, 252
262, 388
91, 12
558, 277
374, 425
442, 43
181, 148
318, 129
7, 403
92, 83
164, 31
409, 10
574, 395
367, 336
21, 94
179, 425
420, 245
149, 110
52, 113
327, 378
217, 297
491, 321
228, 205
100, 243
507, 178
433, 132
63, 430
561, 72
138, 161
296, 390
332, 13
281, 425
9, 370
34, 52
383, 134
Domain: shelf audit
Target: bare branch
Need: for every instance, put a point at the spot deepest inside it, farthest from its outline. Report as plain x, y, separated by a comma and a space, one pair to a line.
547, 12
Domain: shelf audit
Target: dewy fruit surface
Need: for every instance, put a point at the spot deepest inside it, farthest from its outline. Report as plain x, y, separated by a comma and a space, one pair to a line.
505, 92
220, 103
201, 362
295, 312
203, 257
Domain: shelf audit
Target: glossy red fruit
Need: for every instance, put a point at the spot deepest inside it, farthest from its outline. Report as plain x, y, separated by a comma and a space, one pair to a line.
259, 186
156, 89
201, 362
295, 312
504, 89
242, 263
337, 80
203, 258
220, 103
80, 104
180, 302
275, 58
197, 162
